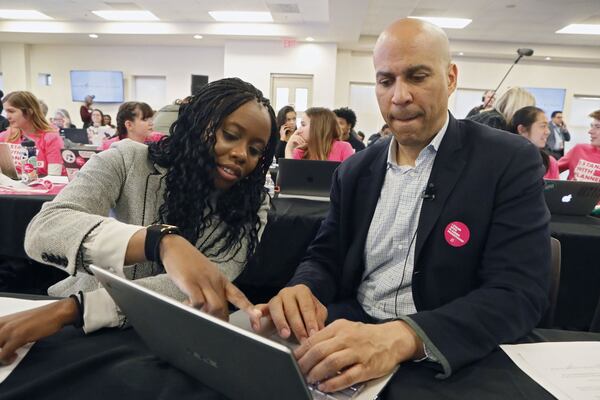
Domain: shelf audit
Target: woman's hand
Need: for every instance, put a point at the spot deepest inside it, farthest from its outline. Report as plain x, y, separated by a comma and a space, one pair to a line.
206, 287
16, 330
295, 141
284, 132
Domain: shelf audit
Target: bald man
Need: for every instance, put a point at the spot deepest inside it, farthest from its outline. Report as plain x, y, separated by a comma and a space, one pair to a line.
436, 246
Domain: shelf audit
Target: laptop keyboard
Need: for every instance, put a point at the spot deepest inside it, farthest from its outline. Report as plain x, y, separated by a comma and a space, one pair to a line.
346, 394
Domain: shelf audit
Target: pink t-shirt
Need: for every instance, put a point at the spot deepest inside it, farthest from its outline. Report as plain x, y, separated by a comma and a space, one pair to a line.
339, 151
48, 145
583, 163
552, 172
154, 137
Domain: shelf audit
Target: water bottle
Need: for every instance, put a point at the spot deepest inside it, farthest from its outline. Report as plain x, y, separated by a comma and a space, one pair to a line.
270, 185
29, 170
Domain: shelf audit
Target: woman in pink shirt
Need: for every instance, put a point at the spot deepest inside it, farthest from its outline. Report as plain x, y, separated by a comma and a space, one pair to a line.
583, 160
134, 121
531, 123
27, 122
317, 138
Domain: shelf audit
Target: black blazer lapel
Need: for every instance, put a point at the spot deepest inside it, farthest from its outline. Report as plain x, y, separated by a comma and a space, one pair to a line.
447, 168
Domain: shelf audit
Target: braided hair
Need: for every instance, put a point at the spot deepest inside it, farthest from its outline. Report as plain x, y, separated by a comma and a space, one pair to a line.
188, 154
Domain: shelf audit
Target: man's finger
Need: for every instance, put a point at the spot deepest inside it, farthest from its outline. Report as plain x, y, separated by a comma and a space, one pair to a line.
294, 318
312, 362
278, 316
308, 312
348, 377
321, 336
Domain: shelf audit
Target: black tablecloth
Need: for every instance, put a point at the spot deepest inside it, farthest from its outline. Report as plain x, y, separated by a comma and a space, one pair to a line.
115, 364
294, 222
580, 272
15, 214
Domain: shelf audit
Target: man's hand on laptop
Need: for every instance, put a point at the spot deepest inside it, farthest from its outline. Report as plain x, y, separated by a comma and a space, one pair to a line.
200, 279
345, 353
295, 310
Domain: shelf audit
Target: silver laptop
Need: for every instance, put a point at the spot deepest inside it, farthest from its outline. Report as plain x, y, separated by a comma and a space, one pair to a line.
310, 179
571, 197
230, 359
8, 158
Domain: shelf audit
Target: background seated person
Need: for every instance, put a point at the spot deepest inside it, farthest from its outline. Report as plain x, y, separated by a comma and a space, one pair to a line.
134, 121
98, 133
436, 245
583, 160
501, 114
286, 120
27, 122
317, 138
107, 121
62, 119
214, 162
531, 123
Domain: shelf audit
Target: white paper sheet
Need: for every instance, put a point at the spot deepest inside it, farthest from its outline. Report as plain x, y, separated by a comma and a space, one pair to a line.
568, 370
8, 306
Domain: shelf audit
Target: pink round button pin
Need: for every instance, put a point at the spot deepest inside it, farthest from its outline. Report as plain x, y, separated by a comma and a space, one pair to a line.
457, 234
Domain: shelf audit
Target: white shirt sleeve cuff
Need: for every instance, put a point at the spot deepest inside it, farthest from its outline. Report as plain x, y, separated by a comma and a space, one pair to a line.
99, 311
106, 246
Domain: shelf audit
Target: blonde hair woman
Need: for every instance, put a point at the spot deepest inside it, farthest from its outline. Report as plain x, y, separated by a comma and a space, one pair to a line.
27, 121
317, 138
505, 108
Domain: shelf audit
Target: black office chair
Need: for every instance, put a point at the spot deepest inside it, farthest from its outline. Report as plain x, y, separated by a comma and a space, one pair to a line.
595, 326
548, 318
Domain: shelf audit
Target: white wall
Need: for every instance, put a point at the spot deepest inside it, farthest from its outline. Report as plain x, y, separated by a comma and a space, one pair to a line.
255, 61
175, 63
482, 74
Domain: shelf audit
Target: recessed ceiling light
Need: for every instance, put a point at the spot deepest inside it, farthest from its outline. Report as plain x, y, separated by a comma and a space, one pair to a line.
197, 36
93, 36
581, 29
241, 16
126, 15
461, 54
450, 23
23, 14
548, 58
310, 39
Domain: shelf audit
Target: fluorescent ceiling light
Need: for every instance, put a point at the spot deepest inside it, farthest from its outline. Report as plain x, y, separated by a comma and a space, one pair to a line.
310, 39
123, 15
241, 16
23, 14
93, 36
450, 23
581, 29
548, 58
197, 36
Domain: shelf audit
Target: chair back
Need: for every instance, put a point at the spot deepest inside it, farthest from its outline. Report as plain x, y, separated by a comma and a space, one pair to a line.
548, 318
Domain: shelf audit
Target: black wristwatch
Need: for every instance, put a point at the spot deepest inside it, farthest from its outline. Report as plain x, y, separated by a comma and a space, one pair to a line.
154, 234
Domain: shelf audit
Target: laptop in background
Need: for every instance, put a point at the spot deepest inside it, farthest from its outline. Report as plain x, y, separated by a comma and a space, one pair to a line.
74, 159
230, 359
11, 155
571, 197
309, 179
74, 135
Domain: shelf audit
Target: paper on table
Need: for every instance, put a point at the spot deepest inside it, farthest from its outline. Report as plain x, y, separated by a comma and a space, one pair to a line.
568, 370
9, 305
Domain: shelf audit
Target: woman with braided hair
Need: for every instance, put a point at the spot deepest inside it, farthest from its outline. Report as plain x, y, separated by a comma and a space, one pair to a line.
188, 212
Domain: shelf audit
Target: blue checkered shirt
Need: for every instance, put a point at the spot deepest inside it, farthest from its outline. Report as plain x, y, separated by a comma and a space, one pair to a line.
385, 291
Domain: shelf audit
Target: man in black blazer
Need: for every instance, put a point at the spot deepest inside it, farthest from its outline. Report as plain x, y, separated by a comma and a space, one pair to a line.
481, 246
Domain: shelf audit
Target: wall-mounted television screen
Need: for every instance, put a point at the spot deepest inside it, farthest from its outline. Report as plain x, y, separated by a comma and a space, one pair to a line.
107, 86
